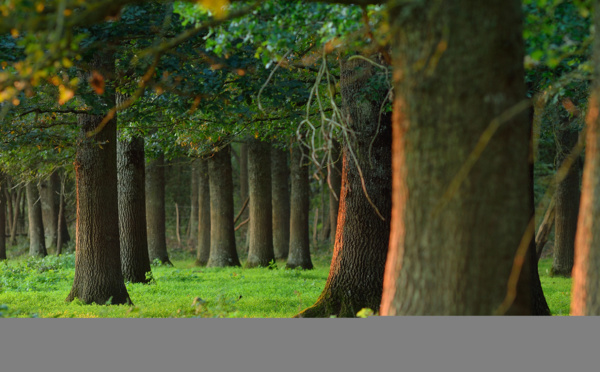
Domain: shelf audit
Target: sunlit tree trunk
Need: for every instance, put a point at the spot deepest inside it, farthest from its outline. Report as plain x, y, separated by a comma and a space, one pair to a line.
203, 245
280, 191
37, 244
458, 68
155, 210
299, 241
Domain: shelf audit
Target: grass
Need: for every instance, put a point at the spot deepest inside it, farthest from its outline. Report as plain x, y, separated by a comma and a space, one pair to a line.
32, 287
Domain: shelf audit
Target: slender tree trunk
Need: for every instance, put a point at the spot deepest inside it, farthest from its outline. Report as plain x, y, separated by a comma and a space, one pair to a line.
192, 233
334, 173
98, 276
203, 248
454, 235
260, 251
49, 201
280, 191
2, 218
155, 210
222, 236
567, 203
9, 207
18, 195
244, 193
37, 244
135, 260
299, 245
61, 218
586, 270
356, 275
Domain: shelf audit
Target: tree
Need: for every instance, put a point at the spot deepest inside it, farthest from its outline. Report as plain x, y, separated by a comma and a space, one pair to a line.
37, 244
49, 200
457, 244
260, 251
203, 249
334, 175
155, 209
192, 231
2, 219
98, 275
280, 191
244, 191
299, 255
356, 275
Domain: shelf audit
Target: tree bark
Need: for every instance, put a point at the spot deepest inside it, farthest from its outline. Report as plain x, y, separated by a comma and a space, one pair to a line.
567, 202
49, 201
37, 244
2, 218
135, 259
61, 221
356, 275
586, 270
16, 202
244, 192
222, 235
98, 276
334, 173
203, 248
299, 243
155, 210
280, 191
455, 241
260, 250
192, 233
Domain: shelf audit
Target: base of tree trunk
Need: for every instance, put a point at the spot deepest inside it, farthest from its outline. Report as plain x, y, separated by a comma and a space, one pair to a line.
100, 295
560, 272
328, 306
200, 263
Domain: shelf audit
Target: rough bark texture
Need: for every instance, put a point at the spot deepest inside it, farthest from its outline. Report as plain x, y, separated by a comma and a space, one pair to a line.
334, 172
49, 196
37, 244
567, 197
203, 248
280, 191
459, 66
98, 275
356, 275
586, 270
222, 237
135, 260
244, 193
192, 233
2, 219
155, 210
299, 243
260, 250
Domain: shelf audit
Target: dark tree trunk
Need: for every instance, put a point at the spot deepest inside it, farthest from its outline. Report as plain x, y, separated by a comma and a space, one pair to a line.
61, 221
334, 173
37, 244
356, 275
192, 233
299, 243
203, 249
260, 251
586, 270
280, 191
2, 218
49, 200
453, 240
16, 202
155, 210
244, 193
222, 236
567, 202
98, 276
135, 260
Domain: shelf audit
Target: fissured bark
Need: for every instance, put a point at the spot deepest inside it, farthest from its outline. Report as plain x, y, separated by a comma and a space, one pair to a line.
280, 191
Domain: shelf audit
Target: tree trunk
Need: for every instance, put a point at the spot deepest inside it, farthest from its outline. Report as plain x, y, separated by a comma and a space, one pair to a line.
192, 233
222, 235
155, 210
299, 245
260, 251
49, 201
98, 276
203, 249
356, 275
541, 237
334, 173
586, 270
280, 191
2, 218
567, 203
17, 196
37, 244
244, 192
326, 228
458, 237
61, 219
135, 260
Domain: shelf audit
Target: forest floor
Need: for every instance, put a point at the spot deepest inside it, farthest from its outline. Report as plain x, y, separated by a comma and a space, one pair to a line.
32, 287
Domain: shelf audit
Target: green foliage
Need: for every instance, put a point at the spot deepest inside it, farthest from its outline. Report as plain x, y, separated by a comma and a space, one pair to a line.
557, 290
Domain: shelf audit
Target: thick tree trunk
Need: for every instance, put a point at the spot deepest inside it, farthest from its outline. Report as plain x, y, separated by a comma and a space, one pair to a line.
222, 235
203, 248
356, 275
299, 245
458, 238
98, 276
37, 244
2, 218
192, 233
586, 270
567, 203
155, 210
49, 200
244, 193
334, 173
280, 191
135, 260
260, 251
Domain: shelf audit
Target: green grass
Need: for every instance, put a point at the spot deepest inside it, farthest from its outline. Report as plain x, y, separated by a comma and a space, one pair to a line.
38, 287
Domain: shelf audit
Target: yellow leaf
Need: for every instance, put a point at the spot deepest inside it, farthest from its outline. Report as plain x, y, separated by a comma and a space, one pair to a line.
67, 62
14, 33
64, 94
216, 7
